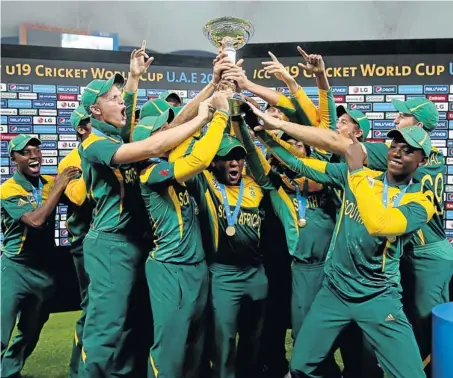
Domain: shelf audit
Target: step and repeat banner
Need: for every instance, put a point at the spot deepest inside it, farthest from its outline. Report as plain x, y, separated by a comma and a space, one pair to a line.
38, 96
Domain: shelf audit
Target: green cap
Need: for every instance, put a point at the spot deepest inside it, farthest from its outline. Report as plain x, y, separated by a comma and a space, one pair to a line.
19, 142
228, 144
78, 115
151, 124
421, 108
414, 136
358, 117
97, 88
154, 108
165, 95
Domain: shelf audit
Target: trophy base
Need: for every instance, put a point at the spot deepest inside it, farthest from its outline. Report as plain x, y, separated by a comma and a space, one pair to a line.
238, 105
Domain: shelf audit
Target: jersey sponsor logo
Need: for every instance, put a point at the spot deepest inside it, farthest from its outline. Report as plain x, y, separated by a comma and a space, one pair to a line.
383, 107
4, 111
19, 87
20, 129
48, 145
28, 96
435, 89
389, 98
38, 104
340, 90
48, 112
44, 88
72, 136
383, 125
355, 98
67, 104
8, 95
65, 129
375, 98
19, 104
28, 111
45, 129
49, 153
438, 98
380, 133
47, 96
44, 120
67, 89
385, 89
374, 115
410, 89
441, 106
155, 92
362, 107
66, 145
361, 90
67, 97
20, 120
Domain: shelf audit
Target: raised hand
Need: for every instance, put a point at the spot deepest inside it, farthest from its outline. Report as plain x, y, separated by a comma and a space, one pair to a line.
220, 101
267, 122
277, 69
63, 179
138, 65
355, 156
314, 63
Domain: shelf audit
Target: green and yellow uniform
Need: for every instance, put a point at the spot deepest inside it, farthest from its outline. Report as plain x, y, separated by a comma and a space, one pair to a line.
362, 282
176, 269
237, 277
26, 279
427, 263
113, 248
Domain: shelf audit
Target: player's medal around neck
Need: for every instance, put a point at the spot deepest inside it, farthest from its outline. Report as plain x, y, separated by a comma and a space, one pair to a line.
396, 202
232, 217
301, 203
37, 193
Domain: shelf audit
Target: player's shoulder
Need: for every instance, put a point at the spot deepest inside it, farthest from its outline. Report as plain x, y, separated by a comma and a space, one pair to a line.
156, 171
71, 159
95, 141
11, 188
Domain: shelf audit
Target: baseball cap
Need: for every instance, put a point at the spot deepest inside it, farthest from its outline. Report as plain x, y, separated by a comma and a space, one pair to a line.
414, 136
165, 95
97, 88
154, 108
421, 108
19, 142
228, 144
150, 124
78, 115
358, 117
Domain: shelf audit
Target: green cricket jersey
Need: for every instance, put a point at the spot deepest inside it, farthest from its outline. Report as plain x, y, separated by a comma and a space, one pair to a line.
114, 189
79, 208
170, 208
363, 261
22, 243
431, 179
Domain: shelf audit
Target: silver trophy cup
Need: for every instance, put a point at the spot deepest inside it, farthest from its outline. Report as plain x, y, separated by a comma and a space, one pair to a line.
231, 33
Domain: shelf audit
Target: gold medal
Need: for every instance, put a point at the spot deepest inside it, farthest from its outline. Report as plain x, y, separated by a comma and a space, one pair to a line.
302, 222
392, 239
230, 231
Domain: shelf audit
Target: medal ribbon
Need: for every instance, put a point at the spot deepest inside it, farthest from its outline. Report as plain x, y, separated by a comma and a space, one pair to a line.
231, 218
301, 199
37, 193
385, 193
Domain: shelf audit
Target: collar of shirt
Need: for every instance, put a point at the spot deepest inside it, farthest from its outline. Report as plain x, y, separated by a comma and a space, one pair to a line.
23, 181
106, 128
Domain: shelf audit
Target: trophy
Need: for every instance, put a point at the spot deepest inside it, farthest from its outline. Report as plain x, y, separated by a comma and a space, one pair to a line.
230, 33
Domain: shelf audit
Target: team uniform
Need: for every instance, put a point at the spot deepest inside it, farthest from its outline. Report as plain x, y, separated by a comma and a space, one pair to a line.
362, 282
113, 250
176, 268
26, 279
427, 264
238, 281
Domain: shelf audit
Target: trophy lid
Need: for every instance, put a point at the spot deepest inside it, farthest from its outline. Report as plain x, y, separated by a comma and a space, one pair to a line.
236, 28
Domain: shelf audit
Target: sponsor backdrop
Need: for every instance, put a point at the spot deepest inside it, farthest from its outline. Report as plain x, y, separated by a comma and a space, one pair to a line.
38, 96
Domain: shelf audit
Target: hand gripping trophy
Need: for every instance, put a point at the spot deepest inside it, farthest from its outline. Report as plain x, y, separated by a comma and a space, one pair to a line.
230, 34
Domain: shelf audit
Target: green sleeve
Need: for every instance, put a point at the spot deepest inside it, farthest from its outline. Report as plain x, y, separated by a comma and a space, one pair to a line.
130, 100
316, 170
101, 151
17, 206
376, 155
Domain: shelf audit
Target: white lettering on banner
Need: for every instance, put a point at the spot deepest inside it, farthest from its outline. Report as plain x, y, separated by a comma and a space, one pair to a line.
67, 137
67, 104
449, 161
375, 98
28, 111
48, 112
8, 95
390, 115
438, 143
67, 145
4, 111
48, 137
355, 98
359, 90
44, 120
375, 115
181, 93
3, 129
449, 188
28, 96
49, 161
441, 106
49, 153
389, 98
64, 152
4, 170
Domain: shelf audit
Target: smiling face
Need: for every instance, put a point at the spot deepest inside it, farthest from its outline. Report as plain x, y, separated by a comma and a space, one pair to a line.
403, 159
345, 125
28, 161
110, 108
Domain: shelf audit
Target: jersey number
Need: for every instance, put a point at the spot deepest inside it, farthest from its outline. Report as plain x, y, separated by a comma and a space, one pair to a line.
438, 196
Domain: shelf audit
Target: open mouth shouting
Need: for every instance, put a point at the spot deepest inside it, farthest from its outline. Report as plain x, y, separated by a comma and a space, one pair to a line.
34, 167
